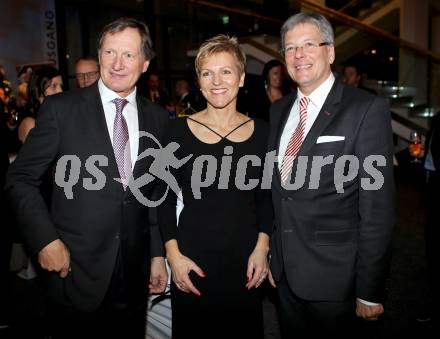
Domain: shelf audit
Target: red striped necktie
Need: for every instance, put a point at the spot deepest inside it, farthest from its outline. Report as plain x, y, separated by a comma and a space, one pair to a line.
295, 140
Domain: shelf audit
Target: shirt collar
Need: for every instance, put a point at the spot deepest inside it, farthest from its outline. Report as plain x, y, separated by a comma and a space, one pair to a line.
107, 95
319, 95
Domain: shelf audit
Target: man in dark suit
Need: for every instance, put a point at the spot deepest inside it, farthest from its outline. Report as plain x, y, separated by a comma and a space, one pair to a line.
432, 236
189, 100
96, 243
330, 248
154, 92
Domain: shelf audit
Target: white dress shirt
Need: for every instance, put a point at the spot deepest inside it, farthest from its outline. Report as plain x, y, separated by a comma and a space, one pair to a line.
317, 99
129, 112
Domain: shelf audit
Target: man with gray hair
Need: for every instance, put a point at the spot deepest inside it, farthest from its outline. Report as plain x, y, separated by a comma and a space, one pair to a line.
330, 248
97, 246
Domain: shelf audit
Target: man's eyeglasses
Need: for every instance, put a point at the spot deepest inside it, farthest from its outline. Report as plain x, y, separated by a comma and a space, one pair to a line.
88, 75
308, 47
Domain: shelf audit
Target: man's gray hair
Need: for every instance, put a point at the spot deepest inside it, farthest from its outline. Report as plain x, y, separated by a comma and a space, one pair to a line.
121, 24
316, 19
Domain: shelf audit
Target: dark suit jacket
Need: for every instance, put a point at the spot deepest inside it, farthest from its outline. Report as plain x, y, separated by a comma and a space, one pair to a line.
195, 99
95, 224
433, 141
162, 100
333, 246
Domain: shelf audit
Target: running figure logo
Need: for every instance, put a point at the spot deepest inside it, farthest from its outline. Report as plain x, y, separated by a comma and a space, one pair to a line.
163, 160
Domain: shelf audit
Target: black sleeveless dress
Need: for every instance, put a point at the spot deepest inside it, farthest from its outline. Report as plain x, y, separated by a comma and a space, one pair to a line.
218, 232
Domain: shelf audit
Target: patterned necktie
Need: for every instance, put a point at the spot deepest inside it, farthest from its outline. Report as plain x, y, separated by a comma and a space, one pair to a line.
295, 141
121, 142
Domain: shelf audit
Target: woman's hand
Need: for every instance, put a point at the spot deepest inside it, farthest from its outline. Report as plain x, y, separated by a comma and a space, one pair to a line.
258, 266
180, 267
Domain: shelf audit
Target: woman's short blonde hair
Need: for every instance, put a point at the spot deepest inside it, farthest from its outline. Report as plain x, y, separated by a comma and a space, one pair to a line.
218, 44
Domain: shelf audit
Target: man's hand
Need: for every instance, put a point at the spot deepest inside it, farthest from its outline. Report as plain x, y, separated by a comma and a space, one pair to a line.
368, 312
158, 275
55, 257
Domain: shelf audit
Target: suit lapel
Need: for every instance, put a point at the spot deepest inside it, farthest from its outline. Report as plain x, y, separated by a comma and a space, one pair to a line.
142, 125
283, 119
280, 128
145, 125
328, 112
93, 116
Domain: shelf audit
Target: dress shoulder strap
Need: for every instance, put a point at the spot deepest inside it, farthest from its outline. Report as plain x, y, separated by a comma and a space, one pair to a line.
221, 136
236, 128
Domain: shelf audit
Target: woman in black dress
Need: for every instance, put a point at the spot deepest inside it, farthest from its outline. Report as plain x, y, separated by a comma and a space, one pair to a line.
218, 252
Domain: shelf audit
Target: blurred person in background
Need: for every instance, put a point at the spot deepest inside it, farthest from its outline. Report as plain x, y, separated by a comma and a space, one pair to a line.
154, 92
274, 87
44, 82
9, 115
5, 229
274, 80
189, 100
86, 71
352, 76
